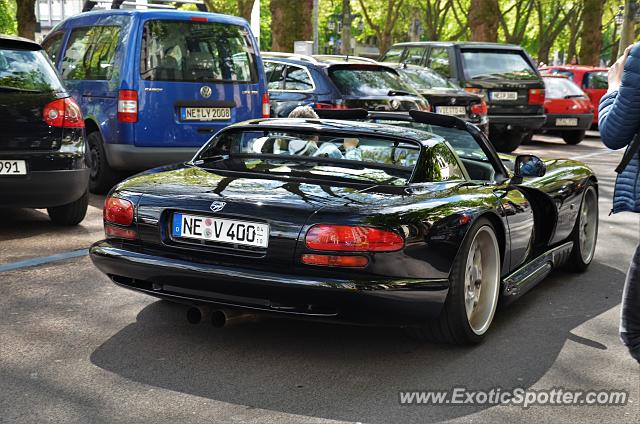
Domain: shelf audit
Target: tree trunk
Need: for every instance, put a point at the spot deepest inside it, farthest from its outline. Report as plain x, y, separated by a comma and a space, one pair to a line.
26, 17
244, 9
484, 18
345, 48
591, 34
290, 21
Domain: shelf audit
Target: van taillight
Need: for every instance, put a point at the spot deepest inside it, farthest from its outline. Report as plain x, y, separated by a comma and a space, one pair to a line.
266, 107
128, 106
536, 96
63, 113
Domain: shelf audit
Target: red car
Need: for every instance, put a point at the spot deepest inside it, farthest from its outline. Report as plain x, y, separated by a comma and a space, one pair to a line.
569, 111
590, 79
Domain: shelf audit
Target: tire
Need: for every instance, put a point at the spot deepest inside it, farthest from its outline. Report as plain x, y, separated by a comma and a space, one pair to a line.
506, 141
102, 176
460, 322
585, 232
70, 214
528, 138
573, 137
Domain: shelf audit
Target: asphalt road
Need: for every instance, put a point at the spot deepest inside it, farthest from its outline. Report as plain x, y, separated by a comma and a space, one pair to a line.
76, 348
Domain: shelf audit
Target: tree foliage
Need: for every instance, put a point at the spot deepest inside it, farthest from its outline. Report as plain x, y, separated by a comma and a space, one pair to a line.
7, 17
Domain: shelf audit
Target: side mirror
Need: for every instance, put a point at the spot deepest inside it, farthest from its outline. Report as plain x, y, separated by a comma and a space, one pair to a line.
529, 166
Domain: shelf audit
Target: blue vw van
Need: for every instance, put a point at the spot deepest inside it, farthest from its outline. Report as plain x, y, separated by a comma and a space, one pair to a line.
155, 85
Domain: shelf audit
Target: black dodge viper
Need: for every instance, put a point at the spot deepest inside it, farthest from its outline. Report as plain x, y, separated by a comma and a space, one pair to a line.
386, 219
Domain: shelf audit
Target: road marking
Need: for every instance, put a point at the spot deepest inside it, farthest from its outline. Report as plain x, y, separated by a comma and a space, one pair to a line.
606, 152
43, 260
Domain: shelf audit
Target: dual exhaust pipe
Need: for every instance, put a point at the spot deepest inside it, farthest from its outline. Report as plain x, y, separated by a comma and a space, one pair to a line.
218, 317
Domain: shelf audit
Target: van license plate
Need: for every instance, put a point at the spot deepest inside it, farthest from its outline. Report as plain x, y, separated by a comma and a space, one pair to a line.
205, 114
504, 95
220, 230
13, 167
566, 122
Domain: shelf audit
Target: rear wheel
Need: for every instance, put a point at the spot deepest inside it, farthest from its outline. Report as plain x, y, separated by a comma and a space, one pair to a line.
585, 232
573, 137
102, 176
473, 293
528, 138
506, 141
70, 214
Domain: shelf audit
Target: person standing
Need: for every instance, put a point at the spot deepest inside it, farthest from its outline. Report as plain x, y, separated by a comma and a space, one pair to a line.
619, 122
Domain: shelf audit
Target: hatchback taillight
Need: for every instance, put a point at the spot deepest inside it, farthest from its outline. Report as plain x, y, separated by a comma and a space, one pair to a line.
128, 106
536, 96
479, 108
63, 113
352, 239
118, 211
266, 107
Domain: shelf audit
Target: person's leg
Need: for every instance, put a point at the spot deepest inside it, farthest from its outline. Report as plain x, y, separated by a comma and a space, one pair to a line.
630, 318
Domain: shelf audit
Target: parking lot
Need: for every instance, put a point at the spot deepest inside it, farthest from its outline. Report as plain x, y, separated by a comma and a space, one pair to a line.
76, 348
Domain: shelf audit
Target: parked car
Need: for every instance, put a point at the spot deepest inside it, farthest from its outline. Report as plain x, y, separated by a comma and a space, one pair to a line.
444, 96
592, 80
348, 221
569, 111
155, 85
336, 82
43, 160
503, 74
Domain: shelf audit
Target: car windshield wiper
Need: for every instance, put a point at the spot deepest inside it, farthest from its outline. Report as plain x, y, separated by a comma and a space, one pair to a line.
213, 158
573, 96
398, 93
22, 90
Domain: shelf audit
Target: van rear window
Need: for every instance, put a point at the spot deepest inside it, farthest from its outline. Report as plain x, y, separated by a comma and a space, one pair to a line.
497, 65
197, 51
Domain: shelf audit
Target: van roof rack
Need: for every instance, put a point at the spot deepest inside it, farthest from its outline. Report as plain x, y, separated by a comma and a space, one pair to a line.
293, 56
158, 4
344, 58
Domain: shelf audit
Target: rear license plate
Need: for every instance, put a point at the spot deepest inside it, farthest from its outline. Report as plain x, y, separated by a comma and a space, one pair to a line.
205, 113
566, 122
451, 110
220, 230
504, 95
13, 167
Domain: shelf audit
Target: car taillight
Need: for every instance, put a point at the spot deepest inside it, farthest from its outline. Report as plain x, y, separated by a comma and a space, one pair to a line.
352, 239
118, 211
335, 106
63, 113
335, 260
128, 106
266, 107
479, 108
536, 96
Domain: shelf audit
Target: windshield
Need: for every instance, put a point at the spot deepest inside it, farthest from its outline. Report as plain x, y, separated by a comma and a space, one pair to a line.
481, 64
27, 70
422, 79
197, 51
353, 157
361, 81
561, 88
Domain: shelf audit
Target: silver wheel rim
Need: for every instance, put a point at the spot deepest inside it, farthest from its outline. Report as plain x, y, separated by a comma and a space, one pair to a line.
482, 280
588, 225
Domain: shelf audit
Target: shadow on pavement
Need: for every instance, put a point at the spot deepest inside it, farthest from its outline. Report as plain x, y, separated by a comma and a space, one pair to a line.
355, 373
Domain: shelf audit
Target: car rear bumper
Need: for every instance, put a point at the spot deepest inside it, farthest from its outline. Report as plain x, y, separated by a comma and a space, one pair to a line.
522, 122
135, 158
395, 302
43, 189
584, 122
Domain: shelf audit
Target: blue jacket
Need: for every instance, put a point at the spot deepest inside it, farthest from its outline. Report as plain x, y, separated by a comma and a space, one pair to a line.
619, 121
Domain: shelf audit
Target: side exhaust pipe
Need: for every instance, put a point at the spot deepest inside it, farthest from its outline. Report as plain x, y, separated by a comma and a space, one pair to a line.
221, 318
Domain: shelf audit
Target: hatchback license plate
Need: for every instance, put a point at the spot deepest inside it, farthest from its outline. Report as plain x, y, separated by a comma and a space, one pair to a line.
451, 110
504, 95
566, 122
220, 230
13, 167
205, 114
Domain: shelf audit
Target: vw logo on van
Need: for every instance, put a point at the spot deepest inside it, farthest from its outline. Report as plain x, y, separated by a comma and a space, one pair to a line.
205, 91
217, 206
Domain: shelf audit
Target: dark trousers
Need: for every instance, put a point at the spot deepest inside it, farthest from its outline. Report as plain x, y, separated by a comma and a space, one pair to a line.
630, 318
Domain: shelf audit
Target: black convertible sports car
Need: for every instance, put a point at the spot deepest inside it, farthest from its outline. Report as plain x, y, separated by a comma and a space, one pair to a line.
404, 220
